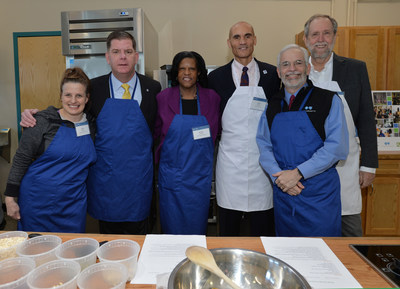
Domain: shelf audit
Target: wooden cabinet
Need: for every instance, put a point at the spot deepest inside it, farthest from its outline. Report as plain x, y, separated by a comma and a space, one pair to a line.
377, 46
381, 201
393, 53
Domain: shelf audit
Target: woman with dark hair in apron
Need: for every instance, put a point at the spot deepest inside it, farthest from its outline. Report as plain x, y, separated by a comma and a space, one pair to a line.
186, 126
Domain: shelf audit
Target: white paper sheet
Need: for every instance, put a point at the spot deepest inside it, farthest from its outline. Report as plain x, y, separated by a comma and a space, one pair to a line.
313, 259
161, 253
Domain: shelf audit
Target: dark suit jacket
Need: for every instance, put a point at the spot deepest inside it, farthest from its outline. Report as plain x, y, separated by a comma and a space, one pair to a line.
352, 77
100, 91
222, 82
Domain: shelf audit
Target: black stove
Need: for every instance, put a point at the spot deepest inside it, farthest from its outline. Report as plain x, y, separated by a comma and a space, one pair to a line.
383, 258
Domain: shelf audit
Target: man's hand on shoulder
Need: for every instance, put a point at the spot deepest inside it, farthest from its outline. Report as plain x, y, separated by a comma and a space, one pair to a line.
27, 119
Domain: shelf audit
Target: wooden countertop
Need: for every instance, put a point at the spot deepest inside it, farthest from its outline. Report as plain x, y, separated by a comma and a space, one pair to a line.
365, 275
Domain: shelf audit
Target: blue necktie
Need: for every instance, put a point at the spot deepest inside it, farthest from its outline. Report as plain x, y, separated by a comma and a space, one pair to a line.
244, 80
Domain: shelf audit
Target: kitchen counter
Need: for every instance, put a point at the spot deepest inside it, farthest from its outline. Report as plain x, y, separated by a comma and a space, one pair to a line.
365, 275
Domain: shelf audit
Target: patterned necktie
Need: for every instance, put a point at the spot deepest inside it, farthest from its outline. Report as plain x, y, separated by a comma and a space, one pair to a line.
291, 101
244, 80
127, 94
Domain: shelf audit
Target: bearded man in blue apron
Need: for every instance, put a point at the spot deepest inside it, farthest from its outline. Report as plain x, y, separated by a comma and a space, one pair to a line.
301, 137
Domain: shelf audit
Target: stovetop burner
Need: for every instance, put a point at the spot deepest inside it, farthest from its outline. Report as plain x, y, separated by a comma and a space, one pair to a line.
383, 258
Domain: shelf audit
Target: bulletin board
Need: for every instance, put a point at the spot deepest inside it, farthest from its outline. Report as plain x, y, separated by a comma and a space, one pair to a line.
387, 118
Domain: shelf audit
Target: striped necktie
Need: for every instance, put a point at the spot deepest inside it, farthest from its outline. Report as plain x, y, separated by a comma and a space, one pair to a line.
244, 80
291, 101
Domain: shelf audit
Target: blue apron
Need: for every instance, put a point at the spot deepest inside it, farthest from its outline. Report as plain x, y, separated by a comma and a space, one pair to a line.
184, 176
316, 211
120, 184
53, 191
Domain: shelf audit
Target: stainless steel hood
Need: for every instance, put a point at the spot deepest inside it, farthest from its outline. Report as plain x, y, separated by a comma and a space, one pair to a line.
84, 34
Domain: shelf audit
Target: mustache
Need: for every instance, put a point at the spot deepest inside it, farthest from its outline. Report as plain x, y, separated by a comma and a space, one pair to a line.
293, 73
320, 43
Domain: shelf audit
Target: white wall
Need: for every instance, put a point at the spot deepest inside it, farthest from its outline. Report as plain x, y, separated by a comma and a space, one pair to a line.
200, 25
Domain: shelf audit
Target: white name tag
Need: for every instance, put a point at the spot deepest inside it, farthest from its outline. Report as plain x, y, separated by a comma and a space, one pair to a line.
201, 132
82, 128
258, 103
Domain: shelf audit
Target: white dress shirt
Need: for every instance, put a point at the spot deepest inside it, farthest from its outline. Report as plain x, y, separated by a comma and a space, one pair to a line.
119, 90
253, 72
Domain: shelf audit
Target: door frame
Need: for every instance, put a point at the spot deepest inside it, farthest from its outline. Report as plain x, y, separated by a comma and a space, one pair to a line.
16, 35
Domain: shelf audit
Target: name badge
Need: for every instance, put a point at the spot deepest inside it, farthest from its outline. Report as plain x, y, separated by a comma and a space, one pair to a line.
258, 103
201, 132
82, 128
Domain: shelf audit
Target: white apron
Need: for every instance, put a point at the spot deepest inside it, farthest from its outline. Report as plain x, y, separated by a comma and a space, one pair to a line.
348, 170
241, 183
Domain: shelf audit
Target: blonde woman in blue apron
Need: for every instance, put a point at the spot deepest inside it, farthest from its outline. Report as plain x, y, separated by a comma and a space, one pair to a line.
186, 126
51, 164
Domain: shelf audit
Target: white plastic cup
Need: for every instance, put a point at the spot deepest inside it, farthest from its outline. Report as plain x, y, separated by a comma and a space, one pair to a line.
81, 250
121, 251
14, 272
58, 274
105, 275
41, 249
9, 242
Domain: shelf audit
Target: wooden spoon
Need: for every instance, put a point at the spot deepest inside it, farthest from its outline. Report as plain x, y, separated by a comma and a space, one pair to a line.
203, 257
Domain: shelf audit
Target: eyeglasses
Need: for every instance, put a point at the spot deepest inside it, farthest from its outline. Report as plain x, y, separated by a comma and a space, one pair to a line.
297, 63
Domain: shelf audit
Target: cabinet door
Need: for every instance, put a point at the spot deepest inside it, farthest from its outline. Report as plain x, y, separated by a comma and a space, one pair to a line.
382, 212
368, 44
41, 67
393, 76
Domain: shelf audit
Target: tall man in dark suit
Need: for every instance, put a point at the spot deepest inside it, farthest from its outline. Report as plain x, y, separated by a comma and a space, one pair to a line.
120, 184
350, 77
243, 189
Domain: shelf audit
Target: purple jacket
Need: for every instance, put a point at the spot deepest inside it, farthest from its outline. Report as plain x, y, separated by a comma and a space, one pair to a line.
168, 107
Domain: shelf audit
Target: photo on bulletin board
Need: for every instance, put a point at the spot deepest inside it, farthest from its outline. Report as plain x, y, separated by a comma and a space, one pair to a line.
387, 118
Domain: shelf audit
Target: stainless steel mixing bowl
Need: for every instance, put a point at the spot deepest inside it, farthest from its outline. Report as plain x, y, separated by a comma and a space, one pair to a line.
249, 269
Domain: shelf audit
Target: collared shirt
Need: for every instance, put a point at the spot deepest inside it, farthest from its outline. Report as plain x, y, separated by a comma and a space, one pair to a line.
253, 72
324, 75
119, 90
288, 95
332, 150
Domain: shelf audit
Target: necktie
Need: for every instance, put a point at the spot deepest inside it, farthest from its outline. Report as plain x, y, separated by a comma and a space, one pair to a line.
291, 101
127, 94
244, 80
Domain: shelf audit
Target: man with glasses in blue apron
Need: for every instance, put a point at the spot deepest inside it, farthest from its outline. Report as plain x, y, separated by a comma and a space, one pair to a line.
301, 137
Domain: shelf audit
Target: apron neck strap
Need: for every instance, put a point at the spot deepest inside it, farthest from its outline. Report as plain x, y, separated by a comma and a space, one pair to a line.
112, 88
304, 100
197, 99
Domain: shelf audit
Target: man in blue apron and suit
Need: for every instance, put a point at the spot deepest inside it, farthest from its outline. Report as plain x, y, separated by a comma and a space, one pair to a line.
120, 184
301, 137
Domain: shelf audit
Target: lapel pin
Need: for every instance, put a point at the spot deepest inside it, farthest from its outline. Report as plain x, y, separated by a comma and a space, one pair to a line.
265, 71
147, 90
